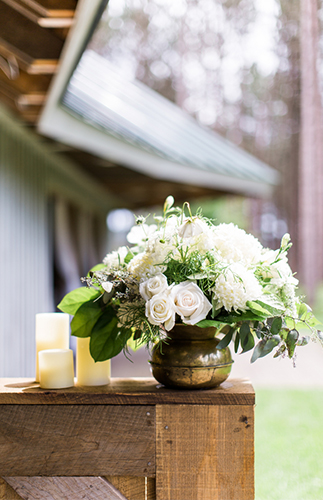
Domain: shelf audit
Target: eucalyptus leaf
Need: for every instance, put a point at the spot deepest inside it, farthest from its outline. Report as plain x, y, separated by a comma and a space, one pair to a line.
236, 342
291, 341
276, 325
225, 341
248, 343
264, 347
244, 332
74, 299
85, 318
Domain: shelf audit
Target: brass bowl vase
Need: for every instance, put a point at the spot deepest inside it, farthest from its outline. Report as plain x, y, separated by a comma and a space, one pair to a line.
189, 359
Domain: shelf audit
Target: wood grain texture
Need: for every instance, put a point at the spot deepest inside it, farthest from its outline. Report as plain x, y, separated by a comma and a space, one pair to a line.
35, 17
139, 391
135, 488
53, 8
15, 37
204, 452
77, 440
64, 488
6, 492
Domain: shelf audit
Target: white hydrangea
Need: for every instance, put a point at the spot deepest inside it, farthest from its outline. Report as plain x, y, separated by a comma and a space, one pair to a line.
235, 287
235, 245
115, 260
144, 266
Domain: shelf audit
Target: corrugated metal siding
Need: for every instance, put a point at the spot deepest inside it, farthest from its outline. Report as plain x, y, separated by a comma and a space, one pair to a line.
25, 266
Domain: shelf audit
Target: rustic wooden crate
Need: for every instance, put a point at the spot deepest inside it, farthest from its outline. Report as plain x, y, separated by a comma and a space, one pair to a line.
131, 440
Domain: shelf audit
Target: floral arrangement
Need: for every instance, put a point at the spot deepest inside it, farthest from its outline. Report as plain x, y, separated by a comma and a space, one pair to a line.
183, 268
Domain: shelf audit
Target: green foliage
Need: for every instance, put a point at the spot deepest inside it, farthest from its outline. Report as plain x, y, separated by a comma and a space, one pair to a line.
74, 299
107, 339
85, 318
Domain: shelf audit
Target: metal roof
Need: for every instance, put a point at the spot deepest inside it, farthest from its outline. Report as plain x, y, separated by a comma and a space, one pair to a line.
136, 115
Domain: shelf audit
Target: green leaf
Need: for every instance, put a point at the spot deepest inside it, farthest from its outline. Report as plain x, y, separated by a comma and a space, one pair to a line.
225, 341
291, 341
244, 332
235, 318
257, 308
85, 318
74, 299
107, 339
274, 306
276, 325
264, 347
248, 343
95, 268
301, 310
130, 255
236, 342
207, 323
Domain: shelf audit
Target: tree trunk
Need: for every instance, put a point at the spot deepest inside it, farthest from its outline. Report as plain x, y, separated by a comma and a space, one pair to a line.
311, 171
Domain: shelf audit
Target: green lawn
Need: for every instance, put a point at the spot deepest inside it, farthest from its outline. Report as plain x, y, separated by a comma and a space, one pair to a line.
289, 444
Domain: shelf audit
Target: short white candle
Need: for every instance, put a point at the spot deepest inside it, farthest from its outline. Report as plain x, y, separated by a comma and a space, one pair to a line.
89, 372
52, 332
56, 368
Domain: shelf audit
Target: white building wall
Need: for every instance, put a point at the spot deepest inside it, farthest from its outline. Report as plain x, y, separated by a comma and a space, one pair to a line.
28, 175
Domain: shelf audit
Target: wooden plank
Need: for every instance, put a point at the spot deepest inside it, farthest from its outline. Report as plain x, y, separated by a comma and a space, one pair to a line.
25, 83
36, 53
204, 452
135, 488
6, 492
44, 22
64, 488
77, 440
122, 391
53, 8
22, 100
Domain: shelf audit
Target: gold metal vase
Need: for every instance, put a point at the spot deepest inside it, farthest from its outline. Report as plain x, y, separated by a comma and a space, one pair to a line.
189, 359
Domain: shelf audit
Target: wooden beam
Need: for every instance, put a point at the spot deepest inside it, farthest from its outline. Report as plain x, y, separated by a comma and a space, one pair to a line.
25, 83
45, 22
120, 391
204, 452
63, 488
135, 488
77, 440
53, 8
6, 492
37, 50
23, 100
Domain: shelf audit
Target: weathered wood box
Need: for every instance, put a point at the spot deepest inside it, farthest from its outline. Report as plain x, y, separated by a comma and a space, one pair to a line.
132, 439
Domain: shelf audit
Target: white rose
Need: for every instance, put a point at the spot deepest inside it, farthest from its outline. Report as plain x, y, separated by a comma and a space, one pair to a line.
153, 286
160, 310
192, 226
190, 302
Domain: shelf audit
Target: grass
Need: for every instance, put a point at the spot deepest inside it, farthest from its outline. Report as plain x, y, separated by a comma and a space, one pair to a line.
289, 444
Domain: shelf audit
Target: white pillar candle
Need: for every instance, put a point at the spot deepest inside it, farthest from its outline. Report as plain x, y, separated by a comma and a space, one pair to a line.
89, 372
56, 368
52, 332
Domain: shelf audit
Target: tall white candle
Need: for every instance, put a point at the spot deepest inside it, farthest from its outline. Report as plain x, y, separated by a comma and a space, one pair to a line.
56, 368
89, 372
52, 332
